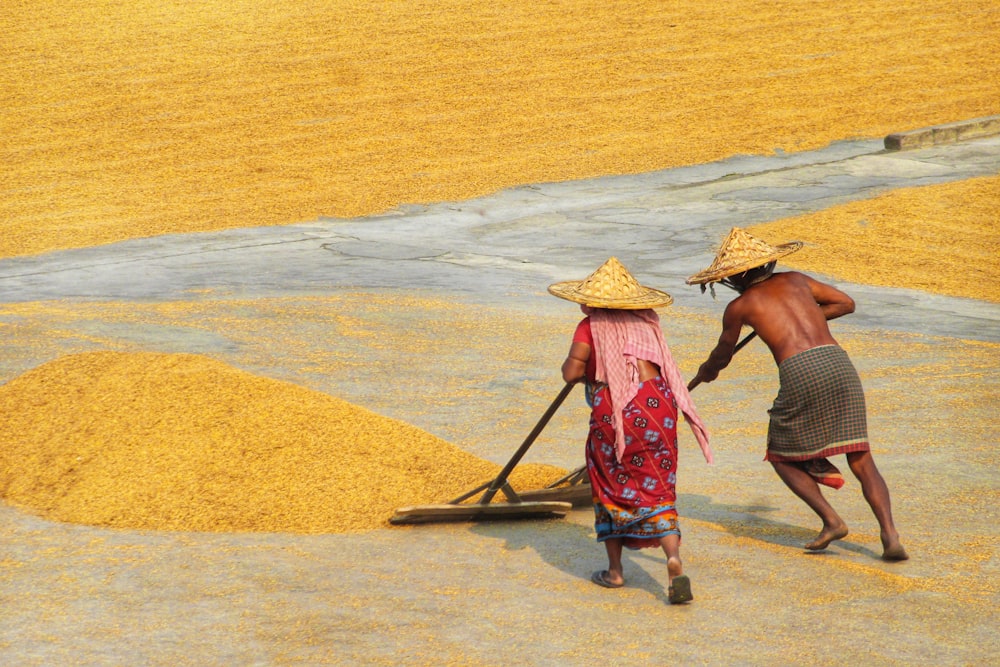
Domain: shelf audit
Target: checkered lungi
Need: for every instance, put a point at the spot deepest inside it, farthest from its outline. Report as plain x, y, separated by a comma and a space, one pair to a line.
820, 407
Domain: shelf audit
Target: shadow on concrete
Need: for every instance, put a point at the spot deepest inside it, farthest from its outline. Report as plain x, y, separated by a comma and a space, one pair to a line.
570, 546
746, 521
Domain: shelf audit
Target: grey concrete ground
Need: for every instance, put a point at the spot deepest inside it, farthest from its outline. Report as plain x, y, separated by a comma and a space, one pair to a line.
512, 244
519, 592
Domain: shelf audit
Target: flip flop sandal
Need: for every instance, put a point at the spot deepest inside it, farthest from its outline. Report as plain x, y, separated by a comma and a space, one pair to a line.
601, 579
680, 590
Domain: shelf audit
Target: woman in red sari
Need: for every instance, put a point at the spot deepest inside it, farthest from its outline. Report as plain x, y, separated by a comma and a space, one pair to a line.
634, 390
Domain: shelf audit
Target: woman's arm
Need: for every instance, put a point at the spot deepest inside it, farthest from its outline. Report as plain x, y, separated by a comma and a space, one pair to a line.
575, 366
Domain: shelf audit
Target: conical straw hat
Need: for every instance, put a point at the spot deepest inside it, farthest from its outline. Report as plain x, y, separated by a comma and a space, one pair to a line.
741, 252
611, 286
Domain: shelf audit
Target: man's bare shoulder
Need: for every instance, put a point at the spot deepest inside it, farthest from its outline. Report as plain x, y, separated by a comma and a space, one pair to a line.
792, 276
795, 289
778, 282
784, 282
782, 292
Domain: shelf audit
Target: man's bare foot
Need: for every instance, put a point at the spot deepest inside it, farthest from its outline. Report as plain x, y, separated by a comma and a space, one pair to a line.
892, 550
827, 535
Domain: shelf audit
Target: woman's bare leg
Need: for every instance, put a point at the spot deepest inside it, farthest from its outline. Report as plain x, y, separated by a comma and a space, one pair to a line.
679, 587
671, 545
616, 574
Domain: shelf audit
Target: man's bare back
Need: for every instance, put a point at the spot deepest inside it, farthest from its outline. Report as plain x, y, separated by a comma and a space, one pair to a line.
788, 311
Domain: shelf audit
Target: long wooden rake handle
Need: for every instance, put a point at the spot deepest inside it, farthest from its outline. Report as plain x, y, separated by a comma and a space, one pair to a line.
500, 481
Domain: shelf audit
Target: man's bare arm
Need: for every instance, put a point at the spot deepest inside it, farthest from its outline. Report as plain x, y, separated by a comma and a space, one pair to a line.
722, 354
831, 300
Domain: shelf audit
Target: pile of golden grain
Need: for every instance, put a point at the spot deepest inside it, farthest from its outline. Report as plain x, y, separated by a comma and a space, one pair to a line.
183, 442
937, 238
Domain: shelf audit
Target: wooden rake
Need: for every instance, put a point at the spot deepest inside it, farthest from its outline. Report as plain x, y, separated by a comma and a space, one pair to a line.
553, 501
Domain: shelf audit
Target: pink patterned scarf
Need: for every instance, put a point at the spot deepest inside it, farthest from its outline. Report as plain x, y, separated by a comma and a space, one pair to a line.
624, 336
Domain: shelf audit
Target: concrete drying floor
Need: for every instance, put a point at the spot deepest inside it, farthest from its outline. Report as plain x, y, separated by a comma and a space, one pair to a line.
519, 592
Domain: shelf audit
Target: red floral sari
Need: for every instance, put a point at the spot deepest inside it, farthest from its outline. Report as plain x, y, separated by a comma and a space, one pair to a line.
634, 499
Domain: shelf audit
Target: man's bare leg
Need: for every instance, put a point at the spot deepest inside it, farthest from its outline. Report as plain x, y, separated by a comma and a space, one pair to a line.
805, 487
876, 492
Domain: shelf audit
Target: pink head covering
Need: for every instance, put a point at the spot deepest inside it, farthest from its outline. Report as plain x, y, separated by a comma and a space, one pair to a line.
622, 337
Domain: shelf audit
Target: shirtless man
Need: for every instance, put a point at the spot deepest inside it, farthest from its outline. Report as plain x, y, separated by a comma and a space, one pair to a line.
820, 409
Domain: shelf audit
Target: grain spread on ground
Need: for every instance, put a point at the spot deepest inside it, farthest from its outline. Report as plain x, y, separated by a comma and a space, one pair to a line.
124, 120
937, 238
184, 442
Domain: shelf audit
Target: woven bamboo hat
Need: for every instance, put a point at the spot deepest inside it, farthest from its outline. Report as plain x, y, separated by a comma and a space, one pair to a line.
741, 252
611, 286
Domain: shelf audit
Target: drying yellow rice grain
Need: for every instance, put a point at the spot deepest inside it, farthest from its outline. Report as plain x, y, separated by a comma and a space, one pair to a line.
125, 120
184, 442
937, 238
